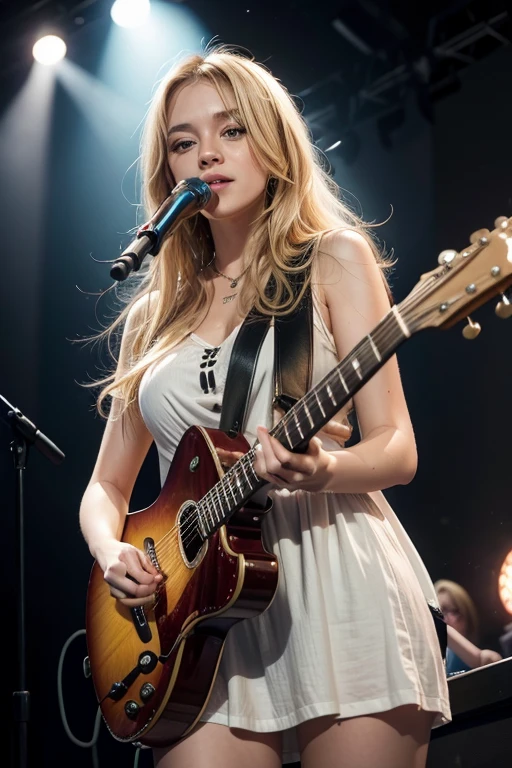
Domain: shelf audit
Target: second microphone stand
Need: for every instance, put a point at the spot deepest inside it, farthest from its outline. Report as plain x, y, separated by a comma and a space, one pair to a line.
25, 434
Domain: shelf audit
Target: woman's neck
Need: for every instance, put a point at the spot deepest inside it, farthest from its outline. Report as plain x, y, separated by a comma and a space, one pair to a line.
231, 238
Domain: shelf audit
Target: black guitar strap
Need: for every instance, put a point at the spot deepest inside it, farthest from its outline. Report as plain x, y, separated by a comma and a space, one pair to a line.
293, 352
242, 365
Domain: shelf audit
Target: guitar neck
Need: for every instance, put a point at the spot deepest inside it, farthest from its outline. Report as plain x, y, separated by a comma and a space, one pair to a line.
337, 388
306, 417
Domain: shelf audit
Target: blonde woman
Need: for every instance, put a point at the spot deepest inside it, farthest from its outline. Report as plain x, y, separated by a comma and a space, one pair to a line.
461, 616
344, 668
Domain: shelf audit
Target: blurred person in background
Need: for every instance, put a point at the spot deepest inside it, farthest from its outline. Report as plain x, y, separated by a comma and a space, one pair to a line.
461, 616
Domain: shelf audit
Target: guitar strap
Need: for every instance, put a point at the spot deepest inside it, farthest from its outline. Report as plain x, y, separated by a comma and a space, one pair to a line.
293, 352
240, 376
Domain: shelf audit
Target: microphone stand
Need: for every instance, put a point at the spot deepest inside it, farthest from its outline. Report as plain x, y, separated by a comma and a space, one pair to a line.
25, 434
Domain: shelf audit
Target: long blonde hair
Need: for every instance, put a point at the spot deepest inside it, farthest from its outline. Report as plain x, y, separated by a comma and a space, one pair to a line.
464, 604
302, 203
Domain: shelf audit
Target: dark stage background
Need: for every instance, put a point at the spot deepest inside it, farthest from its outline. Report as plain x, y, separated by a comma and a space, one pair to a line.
425, 129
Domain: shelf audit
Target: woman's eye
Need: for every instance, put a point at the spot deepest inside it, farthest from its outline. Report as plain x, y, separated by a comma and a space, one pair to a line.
181, 145
234, 133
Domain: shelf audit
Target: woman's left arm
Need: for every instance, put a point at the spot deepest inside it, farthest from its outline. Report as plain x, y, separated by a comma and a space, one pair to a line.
355, 299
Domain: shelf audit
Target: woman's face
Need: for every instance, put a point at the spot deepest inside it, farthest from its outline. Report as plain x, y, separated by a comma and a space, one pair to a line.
205, 140
452, 614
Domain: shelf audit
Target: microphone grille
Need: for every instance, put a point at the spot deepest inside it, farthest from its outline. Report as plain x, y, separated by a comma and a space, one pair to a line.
200, 189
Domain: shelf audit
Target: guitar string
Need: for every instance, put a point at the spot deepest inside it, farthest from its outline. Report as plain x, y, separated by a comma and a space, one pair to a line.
378, 335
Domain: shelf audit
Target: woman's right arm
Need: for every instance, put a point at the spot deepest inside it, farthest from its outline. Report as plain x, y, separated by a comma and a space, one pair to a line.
124, 446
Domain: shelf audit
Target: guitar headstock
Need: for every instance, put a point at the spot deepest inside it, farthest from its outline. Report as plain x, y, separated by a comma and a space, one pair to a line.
464, 281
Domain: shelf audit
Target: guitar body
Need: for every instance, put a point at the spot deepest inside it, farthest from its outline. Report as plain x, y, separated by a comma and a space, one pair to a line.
153, 668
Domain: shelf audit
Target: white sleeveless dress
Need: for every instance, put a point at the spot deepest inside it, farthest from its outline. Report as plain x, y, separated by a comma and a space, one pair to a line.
349, 631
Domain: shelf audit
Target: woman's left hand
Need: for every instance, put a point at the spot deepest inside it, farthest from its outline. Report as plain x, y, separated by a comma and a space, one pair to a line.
310, 471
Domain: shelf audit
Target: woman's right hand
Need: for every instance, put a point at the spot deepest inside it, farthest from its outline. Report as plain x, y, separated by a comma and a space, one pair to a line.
132, 577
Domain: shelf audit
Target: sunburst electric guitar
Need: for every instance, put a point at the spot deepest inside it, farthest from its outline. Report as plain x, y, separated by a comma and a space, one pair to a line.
153, 668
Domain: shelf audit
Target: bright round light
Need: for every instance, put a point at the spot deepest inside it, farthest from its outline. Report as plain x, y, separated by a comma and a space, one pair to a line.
49, 50
505, 583
130, 13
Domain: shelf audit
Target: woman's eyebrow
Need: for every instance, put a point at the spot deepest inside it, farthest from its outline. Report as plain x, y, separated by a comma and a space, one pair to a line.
224, 115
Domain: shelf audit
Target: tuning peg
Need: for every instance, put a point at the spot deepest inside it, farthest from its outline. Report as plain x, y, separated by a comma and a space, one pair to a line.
504, 308
471, 330
447, 257
501, 221
476, 236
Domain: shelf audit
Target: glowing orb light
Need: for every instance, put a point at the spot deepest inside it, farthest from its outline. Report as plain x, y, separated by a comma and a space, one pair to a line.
130, 13
505, 583
49, 50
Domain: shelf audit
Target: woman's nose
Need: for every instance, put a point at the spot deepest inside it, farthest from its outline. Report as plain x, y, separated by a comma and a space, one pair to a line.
209, 155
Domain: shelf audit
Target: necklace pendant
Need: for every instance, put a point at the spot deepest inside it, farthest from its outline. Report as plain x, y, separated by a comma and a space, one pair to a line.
234, 283
227, 299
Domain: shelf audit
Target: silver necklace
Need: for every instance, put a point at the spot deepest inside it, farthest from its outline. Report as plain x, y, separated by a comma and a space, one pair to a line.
233, 282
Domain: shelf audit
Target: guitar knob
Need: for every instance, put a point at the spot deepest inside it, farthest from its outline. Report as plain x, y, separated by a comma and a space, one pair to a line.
504, 308
447, 257
501, 221
475, 236
131, 709
471, 330
147, 691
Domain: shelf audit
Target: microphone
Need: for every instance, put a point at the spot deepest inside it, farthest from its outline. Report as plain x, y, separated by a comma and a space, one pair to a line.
187, 197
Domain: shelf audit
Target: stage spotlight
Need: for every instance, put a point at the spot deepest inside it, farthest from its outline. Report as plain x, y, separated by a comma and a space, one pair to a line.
49, 50
505, 583
130, 13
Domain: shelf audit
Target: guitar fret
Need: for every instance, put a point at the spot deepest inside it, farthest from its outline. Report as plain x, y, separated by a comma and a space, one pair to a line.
209, 511
245, 475
223, 485
374, 348
239, 485
329, 392
319, 403
308, 414
401, 322
357, 368
299, 428
342, 380
219, 514
254, 473
230, 486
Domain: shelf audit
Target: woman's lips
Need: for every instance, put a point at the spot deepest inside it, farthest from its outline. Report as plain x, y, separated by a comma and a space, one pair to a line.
218, 185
